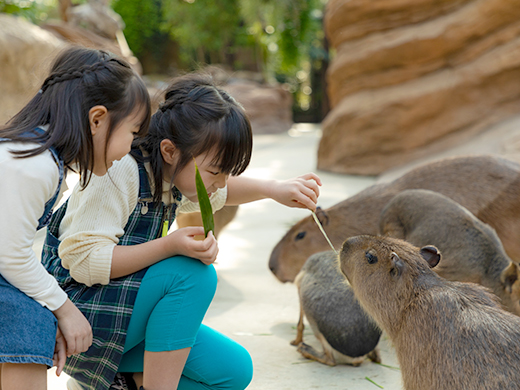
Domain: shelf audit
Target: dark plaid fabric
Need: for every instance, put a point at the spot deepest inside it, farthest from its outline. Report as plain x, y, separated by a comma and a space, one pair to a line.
107, 307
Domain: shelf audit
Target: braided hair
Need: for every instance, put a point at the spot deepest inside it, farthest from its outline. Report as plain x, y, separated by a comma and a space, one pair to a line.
198, 117
80, 79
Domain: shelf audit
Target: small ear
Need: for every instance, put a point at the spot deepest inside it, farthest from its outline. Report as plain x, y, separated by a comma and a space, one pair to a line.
168, 151
431, 255
96, 116
509, 276
397, 265
322, 215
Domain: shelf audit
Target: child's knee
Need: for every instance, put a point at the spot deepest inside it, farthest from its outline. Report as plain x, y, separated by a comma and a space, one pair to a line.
243, 371
191, 273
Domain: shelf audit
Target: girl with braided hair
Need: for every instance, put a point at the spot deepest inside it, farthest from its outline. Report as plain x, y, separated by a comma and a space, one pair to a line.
85, 115
145, 291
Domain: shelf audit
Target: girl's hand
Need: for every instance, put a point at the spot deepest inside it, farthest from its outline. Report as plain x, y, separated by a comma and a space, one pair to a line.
301, 192
60, 352
74, 327
183, 242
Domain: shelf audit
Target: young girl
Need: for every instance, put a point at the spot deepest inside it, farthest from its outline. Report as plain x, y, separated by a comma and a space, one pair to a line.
86, 113
144, 292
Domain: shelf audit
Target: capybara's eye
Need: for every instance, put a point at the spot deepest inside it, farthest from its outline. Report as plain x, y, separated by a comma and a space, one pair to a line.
371, 258
299, 236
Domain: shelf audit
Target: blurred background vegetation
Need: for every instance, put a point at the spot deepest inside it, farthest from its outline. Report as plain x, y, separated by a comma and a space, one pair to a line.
281, 40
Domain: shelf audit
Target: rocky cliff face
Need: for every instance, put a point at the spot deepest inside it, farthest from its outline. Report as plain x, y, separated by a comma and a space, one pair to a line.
411, 77
26, 52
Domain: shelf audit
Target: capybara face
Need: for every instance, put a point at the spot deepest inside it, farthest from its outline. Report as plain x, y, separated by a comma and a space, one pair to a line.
302, 240
382, 271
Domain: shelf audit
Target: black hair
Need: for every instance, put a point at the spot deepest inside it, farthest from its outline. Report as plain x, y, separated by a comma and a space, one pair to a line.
197, 117
80, 79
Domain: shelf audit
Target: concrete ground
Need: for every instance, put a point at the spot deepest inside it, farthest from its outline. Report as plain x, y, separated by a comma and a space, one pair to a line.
251, 306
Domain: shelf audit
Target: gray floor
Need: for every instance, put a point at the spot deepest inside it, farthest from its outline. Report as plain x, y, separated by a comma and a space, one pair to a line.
252, 307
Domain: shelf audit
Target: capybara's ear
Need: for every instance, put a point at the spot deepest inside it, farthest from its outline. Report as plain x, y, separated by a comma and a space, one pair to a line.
431, 255
322, 215
397, 265
509, 276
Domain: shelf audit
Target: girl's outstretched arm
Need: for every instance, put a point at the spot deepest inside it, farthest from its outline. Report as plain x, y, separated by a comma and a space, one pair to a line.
302, 191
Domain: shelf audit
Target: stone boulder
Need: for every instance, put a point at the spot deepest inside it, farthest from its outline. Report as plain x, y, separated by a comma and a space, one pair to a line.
269, 107
413, 77
26, 53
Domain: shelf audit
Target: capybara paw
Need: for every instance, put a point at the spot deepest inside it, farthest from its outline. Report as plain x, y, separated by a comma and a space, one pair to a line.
375, 356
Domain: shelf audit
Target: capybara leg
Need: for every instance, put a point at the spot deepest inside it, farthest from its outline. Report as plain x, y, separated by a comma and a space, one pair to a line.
299, 329
374, 355
310, 353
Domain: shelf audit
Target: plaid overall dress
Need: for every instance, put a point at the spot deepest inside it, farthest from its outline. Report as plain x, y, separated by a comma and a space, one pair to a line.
109, 307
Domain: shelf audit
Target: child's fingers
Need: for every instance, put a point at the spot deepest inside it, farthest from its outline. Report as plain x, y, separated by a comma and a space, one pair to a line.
312, 176
194, 230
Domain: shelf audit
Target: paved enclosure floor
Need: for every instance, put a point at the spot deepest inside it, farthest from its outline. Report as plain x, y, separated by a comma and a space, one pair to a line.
251, 306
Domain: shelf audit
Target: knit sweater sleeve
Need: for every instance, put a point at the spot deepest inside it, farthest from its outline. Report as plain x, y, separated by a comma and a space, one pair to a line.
26, 185
217, 200
95, 220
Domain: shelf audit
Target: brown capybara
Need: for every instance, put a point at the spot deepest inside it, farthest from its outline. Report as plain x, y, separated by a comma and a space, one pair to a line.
471, 250
447, 335
348, 335
487, 186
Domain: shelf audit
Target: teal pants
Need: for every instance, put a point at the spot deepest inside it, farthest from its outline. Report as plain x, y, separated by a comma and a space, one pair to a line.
172, 300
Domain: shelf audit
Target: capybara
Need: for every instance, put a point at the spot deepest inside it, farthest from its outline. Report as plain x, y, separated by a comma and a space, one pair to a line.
487, 186
347, 335
447, 335
471, 250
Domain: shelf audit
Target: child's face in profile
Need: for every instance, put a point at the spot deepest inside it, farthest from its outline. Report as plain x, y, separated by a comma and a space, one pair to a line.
211, 176
119, 144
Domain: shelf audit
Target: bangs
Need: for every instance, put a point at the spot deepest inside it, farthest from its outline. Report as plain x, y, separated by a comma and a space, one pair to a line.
232, 140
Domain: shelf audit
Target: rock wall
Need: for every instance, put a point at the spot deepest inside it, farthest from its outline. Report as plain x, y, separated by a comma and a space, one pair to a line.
269, 107
412, 77
26, 53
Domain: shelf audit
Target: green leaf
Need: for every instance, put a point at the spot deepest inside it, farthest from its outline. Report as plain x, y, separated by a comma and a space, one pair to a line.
205, 205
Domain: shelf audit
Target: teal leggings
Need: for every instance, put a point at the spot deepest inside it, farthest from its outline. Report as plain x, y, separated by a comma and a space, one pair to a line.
170, 305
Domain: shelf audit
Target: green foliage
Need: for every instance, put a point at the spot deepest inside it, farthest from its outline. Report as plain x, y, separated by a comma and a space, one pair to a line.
34, 11
206, 210
143, 20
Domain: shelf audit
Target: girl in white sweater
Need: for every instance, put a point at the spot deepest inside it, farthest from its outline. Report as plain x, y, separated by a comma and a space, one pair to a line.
146, 293
86, 113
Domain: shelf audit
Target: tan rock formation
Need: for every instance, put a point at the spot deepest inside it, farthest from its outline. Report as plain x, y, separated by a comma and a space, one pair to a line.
269, 107
26, 52
413, 77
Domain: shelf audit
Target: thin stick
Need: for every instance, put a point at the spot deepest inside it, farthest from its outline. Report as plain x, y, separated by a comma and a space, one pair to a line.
323, 231
371, 381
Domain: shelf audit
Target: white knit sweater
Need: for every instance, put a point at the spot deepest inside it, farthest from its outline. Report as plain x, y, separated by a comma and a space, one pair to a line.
26, 184
96, 217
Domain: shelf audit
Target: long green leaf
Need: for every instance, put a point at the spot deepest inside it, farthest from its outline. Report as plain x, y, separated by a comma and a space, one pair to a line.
205, 205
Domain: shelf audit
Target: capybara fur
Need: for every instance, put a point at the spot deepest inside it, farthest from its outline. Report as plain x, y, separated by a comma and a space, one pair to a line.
487, 186
447, 335
471, 250
347, 335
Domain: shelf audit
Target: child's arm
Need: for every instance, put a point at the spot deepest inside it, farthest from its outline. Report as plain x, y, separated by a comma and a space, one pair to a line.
302, 191
130, 259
